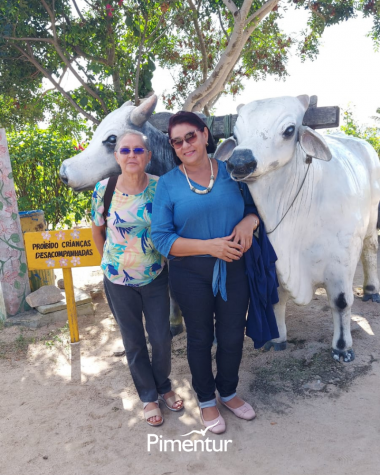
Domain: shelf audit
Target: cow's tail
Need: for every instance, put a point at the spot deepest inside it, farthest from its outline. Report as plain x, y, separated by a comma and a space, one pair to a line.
378, 217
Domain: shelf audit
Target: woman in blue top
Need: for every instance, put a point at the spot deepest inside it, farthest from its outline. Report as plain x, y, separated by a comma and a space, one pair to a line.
198, 222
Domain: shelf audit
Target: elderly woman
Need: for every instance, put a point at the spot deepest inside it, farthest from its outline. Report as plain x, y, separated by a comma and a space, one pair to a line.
198, 222
135, 273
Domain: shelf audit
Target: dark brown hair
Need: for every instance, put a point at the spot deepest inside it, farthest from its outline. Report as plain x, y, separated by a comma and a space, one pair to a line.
184, 117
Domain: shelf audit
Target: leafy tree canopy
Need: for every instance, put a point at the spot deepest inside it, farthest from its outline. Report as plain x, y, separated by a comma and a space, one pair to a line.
102, 46
112, 46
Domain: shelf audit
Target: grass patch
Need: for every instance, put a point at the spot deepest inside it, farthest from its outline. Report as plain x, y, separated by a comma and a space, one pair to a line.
22, 343
60, 336
17, 348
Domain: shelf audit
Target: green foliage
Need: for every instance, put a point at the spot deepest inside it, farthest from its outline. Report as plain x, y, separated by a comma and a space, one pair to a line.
265, 53
113, 46
351, 127
103, 46
36, 157
325, 13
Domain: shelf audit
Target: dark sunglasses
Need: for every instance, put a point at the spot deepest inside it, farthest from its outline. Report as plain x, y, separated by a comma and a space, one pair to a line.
190, 138
136, 151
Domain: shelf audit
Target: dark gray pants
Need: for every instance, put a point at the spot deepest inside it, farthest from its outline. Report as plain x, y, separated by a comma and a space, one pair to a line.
127, 305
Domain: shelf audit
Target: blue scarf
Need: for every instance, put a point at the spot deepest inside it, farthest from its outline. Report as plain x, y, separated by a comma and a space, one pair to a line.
260, 262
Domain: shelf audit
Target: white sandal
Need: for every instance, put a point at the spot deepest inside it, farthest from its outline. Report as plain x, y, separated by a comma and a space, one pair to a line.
170, 401
152, 413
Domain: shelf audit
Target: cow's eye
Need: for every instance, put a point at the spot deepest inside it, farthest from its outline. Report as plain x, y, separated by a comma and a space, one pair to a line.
289, 131
111, 140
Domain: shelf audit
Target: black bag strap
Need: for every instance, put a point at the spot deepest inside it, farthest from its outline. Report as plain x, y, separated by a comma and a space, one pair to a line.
110, 188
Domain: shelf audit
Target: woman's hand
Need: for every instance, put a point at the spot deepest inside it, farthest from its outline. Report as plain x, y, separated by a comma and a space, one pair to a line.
243, 231
225, 249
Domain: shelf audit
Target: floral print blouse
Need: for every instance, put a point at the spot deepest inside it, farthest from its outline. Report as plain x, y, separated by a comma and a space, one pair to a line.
129, 257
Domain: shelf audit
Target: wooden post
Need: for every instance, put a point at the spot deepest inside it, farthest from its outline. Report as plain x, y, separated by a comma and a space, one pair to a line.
71, 306
14, 282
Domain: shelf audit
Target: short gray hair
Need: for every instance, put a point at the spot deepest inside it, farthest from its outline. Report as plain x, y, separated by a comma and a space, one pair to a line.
144, 138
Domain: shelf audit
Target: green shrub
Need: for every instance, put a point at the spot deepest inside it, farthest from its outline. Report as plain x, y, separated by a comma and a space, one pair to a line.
36, 157
351, 127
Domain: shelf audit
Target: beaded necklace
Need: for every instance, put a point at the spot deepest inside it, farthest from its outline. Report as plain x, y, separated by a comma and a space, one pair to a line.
210, 185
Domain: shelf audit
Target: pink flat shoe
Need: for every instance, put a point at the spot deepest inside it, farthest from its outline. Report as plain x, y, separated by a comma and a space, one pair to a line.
245, 411
216, 426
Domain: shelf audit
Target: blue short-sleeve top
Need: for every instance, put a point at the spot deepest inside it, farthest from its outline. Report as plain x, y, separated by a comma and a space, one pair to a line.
179, 212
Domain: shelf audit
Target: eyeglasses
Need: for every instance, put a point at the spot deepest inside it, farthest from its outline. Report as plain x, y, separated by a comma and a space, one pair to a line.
136, 151
190, 138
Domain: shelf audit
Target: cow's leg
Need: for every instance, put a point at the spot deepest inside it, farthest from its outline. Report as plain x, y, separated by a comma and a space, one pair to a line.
341, 299
176, 325
369, 260
279, 343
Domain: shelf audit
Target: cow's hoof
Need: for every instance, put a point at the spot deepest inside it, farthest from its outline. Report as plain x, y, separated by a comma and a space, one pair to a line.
176, 329
346, 355
276, 346
373, 297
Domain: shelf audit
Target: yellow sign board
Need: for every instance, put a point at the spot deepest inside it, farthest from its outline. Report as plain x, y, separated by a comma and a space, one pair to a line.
61, 249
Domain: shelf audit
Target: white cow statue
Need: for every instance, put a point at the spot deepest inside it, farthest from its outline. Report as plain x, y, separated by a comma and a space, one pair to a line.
318, 196
97, 161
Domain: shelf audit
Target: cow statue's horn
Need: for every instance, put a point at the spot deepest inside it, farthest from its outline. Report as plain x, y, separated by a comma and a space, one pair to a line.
304, 100
142, 112
239, 107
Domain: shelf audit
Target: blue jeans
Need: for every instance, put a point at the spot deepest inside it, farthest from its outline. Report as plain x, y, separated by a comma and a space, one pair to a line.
127, 305
190, 281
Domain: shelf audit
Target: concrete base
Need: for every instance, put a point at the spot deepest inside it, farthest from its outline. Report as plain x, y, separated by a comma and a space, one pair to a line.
81, 298
34, 319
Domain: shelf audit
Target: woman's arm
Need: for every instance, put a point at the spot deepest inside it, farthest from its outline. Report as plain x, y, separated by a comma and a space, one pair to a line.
169, 243
99, 235
223, 248
243, 231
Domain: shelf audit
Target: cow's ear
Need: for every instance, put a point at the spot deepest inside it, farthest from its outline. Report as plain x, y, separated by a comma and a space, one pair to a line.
142, 112
225, 149
313, 144
128, 103
304, 100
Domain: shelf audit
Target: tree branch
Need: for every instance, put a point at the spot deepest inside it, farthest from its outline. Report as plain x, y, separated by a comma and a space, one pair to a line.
137, 79
55, 42
200, 38
262, 12
205, 94
155, 28
231, 6
78, 11
52, 17
30, 57
45, 40
63, 73
80, 79
149, 47
62, 55
206, 91
117, 86
244, 10
222, 26
95, 59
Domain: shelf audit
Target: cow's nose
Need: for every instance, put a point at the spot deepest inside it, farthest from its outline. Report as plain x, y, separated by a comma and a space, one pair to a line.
241, 163
62, 175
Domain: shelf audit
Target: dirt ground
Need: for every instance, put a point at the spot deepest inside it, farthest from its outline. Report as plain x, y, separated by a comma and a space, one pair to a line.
73, 409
